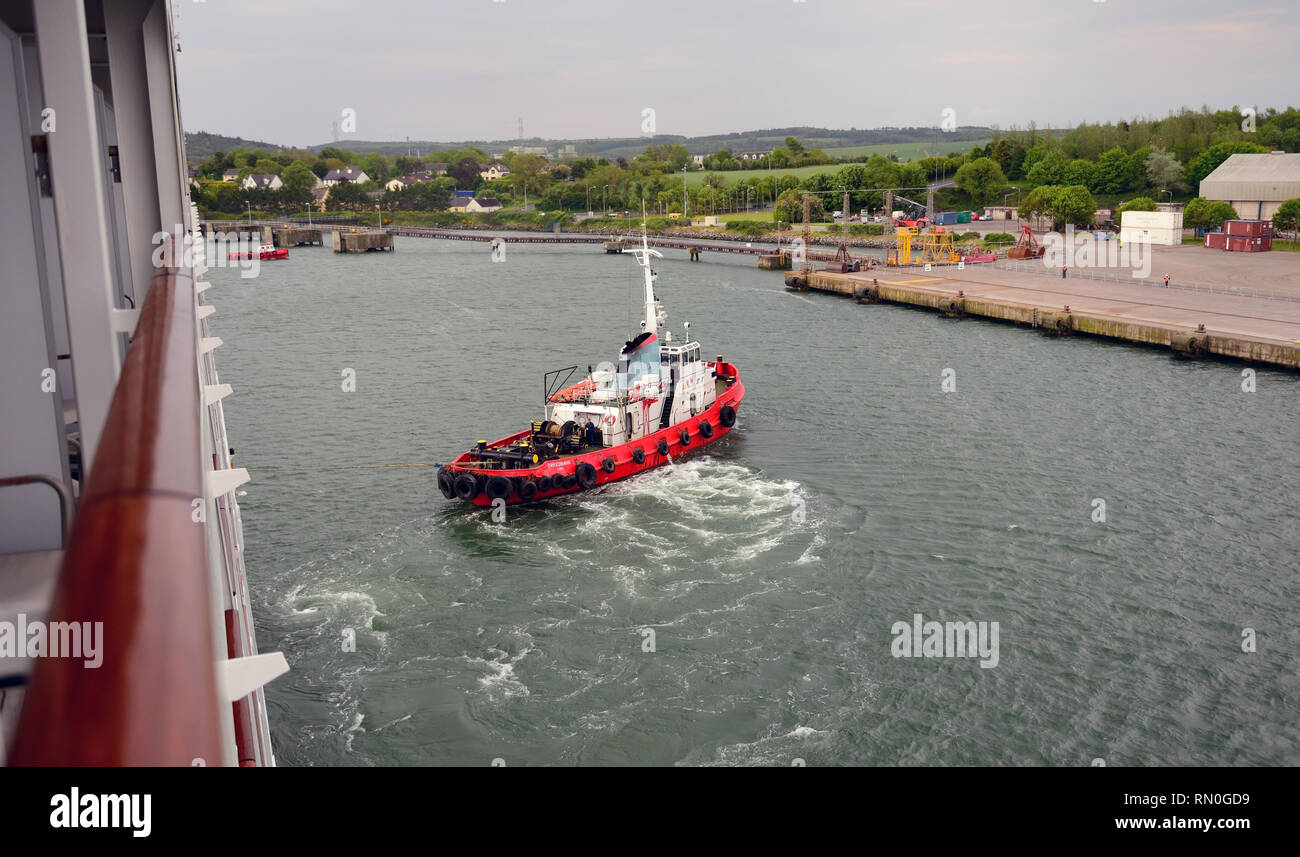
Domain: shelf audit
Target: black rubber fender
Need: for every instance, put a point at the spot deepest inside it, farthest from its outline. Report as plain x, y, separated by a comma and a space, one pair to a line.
527, 490
684, 436
498, 487
446, 484
466, 486
727, 416
544, 484
638, 455
569, 482
663, 446
608, 464
586, 474
706, 429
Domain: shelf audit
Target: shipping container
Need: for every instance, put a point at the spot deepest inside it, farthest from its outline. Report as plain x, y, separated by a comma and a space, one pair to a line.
1251, 228
1238, 243
963, 217
1216, 240
1266, 243
946, 218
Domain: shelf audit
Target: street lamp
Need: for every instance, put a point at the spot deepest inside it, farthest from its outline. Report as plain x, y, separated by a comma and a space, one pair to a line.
604, 200
379, 219
1171, 195
249, 206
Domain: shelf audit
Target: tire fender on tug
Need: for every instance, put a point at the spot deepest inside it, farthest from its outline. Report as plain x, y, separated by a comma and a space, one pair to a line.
638, 455
446, 484
684, 436
498, 487
527, 490
663, 447
706, 429
727, 416
466, 486
586, 474
608, 464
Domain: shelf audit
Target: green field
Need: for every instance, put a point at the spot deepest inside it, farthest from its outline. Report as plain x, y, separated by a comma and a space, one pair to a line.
907, 151
696, 179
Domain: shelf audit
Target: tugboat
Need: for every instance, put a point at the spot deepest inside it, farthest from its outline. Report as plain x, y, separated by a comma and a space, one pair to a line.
661, 400
264, 252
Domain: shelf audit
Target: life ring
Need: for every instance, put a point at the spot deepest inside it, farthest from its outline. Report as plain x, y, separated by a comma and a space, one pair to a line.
498, 488
544, 484
638, 455
727, 416
609, 419
684, 436
663, 447
446, 484
586, 474
466, 486
527, 491
608, 464
706, 429
636, 391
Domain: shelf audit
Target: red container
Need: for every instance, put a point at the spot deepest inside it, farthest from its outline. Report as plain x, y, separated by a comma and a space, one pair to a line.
1216, 240
1266, 243
1238, 243
1251, 228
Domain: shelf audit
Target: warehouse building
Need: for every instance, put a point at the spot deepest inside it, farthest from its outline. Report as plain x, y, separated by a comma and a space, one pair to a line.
1255, 185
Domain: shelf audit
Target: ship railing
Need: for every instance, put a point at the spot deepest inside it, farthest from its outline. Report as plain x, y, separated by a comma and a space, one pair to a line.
135, 570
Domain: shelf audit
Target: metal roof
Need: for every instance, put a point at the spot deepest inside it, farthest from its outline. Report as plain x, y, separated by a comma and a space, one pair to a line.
1274, 177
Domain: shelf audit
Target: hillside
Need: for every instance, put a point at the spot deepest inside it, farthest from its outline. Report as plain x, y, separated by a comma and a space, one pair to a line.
833, 142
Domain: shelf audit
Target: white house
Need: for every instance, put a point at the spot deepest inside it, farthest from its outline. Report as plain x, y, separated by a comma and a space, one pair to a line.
495, 171
353, 175
394, 185
484, 205
230, 175
261, 181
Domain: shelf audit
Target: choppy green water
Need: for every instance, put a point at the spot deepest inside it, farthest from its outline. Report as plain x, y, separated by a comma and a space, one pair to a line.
854, 494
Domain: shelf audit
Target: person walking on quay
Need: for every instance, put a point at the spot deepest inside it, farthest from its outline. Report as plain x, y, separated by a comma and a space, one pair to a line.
1166, 281
1062, 272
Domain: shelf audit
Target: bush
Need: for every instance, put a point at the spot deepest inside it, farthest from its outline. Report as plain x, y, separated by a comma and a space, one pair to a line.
999, 238
971, 236
749, 227
833, 229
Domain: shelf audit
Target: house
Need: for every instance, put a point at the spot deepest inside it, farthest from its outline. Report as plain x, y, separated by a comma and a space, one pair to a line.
231, 175
1255, 185
458, 204
347, 175
752, 156
495, 171
437, 168
698, 160
1001, 212
484, 206
394, 185
261, 181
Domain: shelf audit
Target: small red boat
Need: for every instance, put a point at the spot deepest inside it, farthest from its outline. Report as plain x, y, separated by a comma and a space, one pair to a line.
660, 401
266, 251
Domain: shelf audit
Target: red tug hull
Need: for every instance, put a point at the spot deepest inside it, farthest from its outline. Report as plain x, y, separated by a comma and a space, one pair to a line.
624, 464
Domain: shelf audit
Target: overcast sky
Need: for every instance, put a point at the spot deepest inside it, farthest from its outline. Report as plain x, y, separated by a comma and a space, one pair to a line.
285, 70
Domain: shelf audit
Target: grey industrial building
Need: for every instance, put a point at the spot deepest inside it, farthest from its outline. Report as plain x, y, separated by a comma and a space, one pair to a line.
1255, 185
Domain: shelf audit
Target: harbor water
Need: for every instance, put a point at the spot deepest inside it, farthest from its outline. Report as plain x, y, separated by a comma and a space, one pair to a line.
1128, 520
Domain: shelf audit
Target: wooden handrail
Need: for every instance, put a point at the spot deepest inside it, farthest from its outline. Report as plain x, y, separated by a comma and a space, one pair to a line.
136, 563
